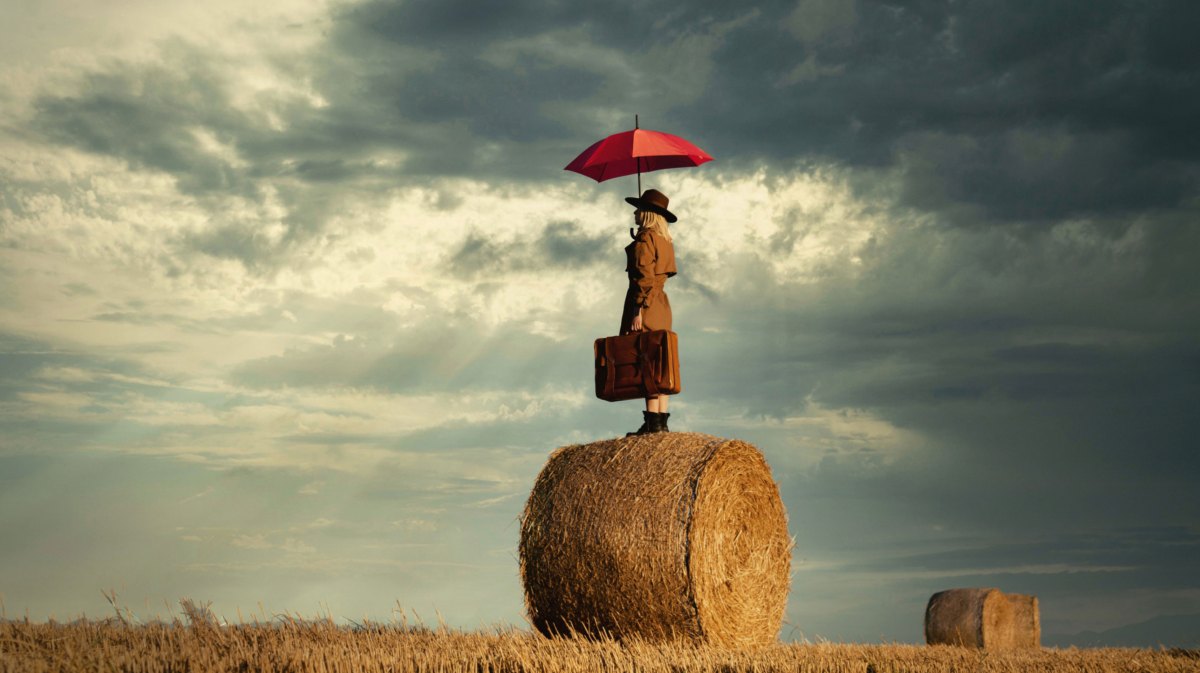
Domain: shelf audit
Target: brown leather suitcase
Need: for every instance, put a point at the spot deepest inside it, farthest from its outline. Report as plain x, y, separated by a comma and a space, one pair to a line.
639, 364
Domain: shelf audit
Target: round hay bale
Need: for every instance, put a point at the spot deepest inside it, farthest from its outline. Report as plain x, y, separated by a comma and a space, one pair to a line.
982, 617
666, 536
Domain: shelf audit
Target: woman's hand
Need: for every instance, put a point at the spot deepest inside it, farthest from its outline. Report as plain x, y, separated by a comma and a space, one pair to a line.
636, 325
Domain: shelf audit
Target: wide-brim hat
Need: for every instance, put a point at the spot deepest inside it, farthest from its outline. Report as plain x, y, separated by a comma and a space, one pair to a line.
654, 201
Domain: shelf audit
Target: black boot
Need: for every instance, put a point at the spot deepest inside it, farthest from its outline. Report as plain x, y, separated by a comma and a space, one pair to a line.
662, 423
651, 421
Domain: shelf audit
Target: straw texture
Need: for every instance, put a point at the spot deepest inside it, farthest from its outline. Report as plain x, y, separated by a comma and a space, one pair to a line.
984, 618
663, 536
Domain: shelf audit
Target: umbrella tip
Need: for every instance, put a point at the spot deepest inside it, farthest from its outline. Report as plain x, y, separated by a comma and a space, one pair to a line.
635, 121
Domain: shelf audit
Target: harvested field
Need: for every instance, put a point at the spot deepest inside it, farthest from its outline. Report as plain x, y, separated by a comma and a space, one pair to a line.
312, 647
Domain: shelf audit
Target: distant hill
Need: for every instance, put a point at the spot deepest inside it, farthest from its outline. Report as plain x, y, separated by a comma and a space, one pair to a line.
1165, 630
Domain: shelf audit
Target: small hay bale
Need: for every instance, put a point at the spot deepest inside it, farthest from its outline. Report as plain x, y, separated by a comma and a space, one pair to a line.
984, 618
665, 536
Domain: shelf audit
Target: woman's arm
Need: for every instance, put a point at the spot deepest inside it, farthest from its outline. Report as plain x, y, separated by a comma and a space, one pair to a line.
645, 254
636, 325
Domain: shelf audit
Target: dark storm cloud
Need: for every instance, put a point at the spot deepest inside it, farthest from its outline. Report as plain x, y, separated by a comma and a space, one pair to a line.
1036, 111
1028, 111
177, 116
490, 70
241, 241
160, 117
932, 287
498, 92
559, 245
147, 116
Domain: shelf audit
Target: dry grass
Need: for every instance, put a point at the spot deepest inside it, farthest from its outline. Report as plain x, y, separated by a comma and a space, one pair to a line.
289, 644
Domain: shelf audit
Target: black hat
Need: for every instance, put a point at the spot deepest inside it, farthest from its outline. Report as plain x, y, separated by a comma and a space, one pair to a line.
654, 201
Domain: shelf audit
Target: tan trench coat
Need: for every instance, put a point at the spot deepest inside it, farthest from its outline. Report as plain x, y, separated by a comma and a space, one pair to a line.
650, 261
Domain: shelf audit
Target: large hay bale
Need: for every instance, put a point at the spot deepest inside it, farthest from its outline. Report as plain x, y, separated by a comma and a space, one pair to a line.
984, 618
662, 536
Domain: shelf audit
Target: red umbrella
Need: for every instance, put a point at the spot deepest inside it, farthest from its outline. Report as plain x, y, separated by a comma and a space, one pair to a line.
637, 151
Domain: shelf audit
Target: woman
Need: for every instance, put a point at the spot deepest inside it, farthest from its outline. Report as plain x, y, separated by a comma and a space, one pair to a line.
650, 262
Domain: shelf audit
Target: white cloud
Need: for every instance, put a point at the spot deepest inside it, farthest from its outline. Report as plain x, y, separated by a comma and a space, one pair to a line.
313, 488
260, 541
257, 541
416, 525
196, 496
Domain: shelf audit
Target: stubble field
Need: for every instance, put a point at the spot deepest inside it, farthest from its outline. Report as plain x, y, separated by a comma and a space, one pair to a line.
299, 646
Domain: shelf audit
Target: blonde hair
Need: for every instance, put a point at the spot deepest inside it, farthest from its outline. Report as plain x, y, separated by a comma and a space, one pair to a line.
648, 219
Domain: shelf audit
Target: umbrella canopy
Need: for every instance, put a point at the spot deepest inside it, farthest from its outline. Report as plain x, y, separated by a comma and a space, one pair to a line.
636, 151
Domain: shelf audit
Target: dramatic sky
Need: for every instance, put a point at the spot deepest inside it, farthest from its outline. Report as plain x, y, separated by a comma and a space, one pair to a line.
295, 300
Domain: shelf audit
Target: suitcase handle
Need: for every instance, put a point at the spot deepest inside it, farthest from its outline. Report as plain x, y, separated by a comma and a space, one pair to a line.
644, 363
611, 370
